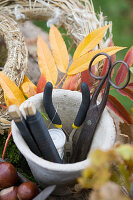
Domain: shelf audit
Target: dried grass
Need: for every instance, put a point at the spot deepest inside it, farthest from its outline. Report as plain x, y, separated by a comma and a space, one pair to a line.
77, 17
16, 63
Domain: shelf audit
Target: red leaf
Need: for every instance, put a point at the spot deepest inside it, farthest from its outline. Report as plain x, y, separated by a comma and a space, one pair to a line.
122, 72
126, 92
87, 78
72, 82
41, 84
106, 63
130, 85
119, 109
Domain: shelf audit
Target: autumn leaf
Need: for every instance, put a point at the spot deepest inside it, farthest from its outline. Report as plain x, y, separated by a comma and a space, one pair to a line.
119, 109
130, 85
59, 49
72, 82
28, 90
106, 63
90, 41
82, 63
27, 80
46, 61
87, 78
122, 72
12, 93
127, 92
126, 151
99, 157
41, 84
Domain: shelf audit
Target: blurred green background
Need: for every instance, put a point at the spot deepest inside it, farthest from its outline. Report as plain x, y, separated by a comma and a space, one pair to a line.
120, 12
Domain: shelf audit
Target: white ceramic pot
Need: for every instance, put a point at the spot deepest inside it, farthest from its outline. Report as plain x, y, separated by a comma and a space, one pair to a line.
67, 104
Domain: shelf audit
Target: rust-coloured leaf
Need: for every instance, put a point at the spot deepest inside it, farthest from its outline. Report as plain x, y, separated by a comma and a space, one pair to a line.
12, 93
127, 92
41, 84
106, 63
122, 72
72, 82
28, 90
130, 85
119, 109
87, 78
82, 63
59, 49
90, 41
46, 61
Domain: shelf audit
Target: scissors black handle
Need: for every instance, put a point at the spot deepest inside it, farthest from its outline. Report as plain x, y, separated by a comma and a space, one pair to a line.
106, 77
95, 111
52, 113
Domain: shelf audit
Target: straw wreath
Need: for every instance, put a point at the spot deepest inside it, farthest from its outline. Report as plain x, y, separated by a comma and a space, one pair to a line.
77, 17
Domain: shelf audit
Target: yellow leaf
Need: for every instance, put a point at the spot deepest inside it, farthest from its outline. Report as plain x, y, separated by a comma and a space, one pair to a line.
126, 151
12, 93
28, 89
82, 63
90, 41
46, 61
59, 49
26, 80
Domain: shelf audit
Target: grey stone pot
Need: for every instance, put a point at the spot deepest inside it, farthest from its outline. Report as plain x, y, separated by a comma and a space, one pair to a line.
67, 104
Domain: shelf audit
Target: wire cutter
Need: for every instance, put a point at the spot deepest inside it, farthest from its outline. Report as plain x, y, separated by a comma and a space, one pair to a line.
54, 117
95, 111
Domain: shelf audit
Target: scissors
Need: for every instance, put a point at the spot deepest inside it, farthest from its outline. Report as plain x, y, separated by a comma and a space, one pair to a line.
55, 119
95, 111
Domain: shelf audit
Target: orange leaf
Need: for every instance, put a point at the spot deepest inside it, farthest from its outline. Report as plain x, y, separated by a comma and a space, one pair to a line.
90, 41
71, 82
46, 61
28, 89
27, 80
12, 93
59, 49
41, 84
87, 78
82, 63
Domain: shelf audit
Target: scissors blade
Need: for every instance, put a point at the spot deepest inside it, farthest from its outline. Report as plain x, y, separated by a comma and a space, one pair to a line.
80, 117
86, 136
45, 193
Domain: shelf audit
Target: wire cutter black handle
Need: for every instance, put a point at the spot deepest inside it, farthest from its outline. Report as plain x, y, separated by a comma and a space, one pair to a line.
83, 107
53, 115
49, 107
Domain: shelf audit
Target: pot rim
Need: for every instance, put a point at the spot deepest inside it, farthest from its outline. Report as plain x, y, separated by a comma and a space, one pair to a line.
29, 155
